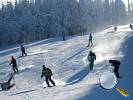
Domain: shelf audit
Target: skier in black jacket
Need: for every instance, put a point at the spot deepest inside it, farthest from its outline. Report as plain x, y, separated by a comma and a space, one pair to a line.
14, 64
47, 73
116, 65
115, 28
6, 85
130, 26
90, 43
23, 51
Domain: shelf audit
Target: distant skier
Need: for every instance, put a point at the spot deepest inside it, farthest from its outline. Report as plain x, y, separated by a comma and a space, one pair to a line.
91, 59
6, 85
14, 65
47, 73
115, 28
130, 26
23, 51
116, 65
90, 41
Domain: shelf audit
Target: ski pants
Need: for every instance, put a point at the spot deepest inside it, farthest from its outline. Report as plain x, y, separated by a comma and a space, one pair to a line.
24, 53
15, 69
90, 43
91, 65
116, 71
48, 78
9, 82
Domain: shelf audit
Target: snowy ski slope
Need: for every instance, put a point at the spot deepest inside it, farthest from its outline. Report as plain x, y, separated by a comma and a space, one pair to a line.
67, 59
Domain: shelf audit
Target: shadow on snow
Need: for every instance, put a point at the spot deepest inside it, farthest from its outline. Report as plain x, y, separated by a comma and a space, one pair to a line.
75, 54
78, 76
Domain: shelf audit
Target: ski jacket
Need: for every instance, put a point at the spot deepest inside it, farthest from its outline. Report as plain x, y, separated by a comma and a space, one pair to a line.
46, 72
115, 62
90, 37
13, 61
91, 57
22, 49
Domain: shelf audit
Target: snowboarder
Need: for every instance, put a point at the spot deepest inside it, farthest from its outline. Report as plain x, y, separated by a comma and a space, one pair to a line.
47, 73
23, 51
90, 41
6, 85
131, 26
115, 28
14, 65
91, 59
116, 65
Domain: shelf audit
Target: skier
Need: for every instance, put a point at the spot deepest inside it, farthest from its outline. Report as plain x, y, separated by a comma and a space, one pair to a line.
23, 51
47, 73
115, 28
14, 65
6, 85
90, 41
91, 59
131, 26
116, 65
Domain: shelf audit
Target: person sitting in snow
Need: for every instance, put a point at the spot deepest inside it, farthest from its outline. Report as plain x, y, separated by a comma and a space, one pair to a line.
116, 65
115, 28
6, 85
91, 59
47, 73
90, 41
14, 65
23, 51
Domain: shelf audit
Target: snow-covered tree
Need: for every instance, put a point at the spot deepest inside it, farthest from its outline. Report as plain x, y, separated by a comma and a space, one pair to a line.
30, 20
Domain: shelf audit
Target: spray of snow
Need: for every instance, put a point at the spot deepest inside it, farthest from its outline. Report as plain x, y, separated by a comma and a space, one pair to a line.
21, 68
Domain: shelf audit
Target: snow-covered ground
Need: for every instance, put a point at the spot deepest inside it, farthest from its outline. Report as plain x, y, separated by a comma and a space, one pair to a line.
67, 59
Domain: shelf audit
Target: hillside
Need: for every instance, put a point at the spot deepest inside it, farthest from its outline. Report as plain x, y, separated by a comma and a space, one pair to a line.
67, 59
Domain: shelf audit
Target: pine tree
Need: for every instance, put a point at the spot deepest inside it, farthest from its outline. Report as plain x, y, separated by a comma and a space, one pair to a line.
30, 20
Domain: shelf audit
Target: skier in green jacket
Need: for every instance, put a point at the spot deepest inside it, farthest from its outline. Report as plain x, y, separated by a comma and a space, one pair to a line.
47, 73
91, 59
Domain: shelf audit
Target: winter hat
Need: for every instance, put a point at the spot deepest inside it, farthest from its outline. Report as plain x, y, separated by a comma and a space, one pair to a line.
44, 66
